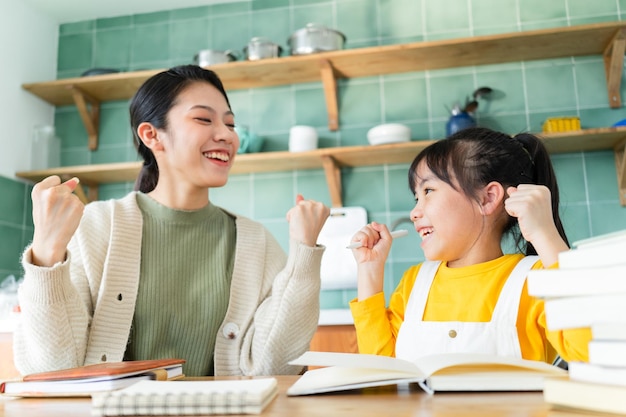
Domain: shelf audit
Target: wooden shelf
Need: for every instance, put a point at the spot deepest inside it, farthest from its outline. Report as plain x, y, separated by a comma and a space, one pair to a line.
333, 159
606, 39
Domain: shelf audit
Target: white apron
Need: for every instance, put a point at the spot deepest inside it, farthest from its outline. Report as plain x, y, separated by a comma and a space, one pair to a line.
418, 338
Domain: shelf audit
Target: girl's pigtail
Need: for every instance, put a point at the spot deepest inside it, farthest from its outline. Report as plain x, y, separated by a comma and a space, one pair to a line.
542, 174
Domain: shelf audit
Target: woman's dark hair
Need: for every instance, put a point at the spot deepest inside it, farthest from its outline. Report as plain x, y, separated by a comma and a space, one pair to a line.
153, 101
474, 157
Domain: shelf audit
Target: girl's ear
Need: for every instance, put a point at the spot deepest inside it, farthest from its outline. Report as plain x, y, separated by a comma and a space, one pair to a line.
492, 197
149, 135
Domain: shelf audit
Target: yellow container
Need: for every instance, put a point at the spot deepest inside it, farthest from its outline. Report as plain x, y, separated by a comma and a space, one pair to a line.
561, 124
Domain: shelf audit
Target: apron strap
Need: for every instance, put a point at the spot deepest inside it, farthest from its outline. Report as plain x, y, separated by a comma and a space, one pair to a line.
421, 287
507, 307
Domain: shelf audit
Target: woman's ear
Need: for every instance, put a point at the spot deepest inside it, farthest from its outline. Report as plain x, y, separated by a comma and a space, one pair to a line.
492, 198
149, 135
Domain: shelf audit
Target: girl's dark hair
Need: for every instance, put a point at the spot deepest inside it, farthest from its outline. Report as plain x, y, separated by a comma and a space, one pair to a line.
153, 101
474, 157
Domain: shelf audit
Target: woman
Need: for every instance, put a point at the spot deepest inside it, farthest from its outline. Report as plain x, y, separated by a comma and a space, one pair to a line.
162, 272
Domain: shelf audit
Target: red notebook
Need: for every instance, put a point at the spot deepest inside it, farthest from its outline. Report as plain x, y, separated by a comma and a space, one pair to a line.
85, 380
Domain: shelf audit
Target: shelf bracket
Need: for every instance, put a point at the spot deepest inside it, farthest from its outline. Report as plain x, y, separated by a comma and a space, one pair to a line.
330, 92
333, 178
91, 118
620, 167
613, 66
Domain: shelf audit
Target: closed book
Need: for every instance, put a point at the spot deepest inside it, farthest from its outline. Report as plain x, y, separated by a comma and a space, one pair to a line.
583, 311
547, 283
85, 380
599, 374
179, 398
605, 239
578, 395
607, 352
609, 330
594, 255
442, 372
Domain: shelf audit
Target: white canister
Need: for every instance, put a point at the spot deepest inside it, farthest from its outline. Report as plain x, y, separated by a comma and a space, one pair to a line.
302, 138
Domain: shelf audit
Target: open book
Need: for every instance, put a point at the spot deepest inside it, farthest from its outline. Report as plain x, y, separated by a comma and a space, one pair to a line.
444, 372
85, 380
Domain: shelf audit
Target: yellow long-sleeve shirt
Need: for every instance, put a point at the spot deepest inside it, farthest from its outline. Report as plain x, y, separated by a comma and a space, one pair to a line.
466, 294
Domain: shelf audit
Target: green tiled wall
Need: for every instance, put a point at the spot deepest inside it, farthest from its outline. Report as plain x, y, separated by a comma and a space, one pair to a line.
527, 93
16, 226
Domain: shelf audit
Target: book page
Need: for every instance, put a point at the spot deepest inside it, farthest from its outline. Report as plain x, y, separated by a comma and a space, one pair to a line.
459, 363
359, 360
424, 366
339, 378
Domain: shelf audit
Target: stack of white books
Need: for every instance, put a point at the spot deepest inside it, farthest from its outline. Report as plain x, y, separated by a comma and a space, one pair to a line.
588, 290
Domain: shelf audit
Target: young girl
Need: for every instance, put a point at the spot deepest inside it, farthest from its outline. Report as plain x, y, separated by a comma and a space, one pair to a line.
470, 191
162, 272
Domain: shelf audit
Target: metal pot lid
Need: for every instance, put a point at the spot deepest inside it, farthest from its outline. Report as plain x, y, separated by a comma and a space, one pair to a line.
260, 41
316, 28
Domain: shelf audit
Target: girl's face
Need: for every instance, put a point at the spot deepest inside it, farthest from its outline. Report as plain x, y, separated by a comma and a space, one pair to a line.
200, 142
449, 223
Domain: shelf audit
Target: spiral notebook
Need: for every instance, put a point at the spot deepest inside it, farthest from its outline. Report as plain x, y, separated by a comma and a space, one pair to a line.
146, 398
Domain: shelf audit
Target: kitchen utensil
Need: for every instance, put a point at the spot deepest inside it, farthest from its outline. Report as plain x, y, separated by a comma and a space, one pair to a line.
482, 92
389, 133
315, 38
261, 48
207, 57
302, 138
338, 269
394, 234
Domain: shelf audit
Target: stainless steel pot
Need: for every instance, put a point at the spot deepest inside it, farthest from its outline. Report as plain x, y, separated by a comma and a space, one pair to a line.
315, 38
261, 48
207, 57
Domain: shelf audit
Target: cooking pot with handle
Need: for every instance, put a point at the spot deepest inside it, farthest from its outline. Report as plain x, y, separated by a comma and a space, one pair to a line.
207, 57
315, 38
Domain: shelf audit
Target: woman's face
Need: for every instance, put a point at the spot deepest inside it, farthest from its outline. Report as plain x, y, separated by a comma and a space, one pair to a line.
200, 142
449, 223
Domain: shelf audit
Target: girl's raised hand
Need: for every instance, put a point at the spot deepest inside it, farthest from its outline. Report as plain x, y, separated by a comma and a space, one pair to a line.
375, 240
370, 258
56, 215
306, 220
532, 205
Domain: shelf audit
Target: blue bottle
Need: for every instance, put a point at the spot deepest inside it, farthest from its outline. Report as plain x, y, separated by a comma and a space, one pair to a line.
459, 120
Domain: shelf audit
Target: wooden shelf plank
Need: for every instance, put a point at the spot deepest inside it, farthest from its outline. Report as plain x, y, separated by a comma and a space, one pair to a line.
591, 39
605, 138
350, 156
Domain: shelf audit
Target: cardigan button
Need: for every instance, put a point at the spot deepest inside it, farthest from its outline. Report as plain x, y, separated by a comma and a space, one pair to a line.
230, 330
452, 334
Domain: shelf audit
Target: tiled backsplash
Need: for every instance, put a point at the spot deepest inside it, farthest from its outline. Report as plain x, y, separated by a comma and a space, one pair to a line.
16, 226
527, 93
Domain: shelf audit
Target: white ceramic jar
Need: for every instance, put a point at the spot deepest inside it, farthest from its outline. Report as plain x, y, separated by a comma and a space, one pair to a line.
302, 138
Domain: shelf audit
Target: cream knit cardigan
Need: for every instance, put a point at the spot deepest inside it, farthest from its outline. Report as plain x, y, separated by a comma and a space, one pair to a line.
80, 311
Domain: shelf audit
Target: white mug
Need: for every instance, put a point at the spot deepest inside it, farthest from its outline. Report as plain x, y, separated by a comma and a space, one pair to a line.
302, 138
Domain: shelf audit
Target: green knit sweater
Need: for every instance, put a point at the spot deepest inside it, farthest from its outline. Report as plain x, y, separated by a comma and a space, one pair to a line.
186, 269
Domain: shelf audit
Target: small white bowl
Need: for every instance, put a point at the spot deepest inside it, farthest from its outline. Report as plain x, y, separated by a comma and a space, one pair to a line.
389, 133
